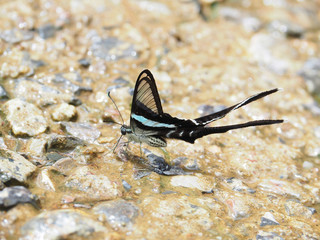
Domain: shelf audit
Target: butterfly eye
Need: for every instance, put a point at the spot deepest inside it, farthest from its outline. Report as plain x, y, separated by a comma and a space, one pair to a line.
123, 130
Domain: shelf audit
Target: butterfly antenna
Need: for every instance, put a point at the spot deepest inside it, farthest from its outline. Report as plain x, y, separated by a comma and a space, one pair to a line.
109, 95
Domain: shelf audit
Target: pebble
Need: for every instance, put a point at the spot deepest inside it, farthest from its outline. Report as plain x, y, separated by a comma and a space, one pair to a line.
310, 72
93, 186
262, 235
268, 219
39, 93
16, 35
248, 22
47, 31
36, 147
25, 118
317, 132
174, 212
280, 187
11, 196
72, 82
159, 165
62, 143
84, 131
14, 166
201, 183
236, 185
60, 224
120, 214
44, 181
294, 208
265, 50
239, 205
126, 185
119, 82
307, 165
3, 93
84, 62
65, 165
189, 164
31, 64
111, 49
63, 112
288, 28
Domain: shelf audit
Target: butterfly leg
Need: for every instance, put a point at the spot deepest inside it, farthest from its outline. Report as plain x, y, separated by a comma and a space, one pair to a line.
140, 150
165, 153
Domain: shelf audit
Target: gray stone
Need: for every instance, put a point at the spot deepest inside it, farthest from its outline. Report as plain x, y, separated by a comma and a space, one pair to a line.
120, 214
14, 166
159, 165
3, 93
61, 143
310, 72
92, 186
59, 224
294, 208
84, 62
38, 93
112, 49
286, 27
16, 35
265, 50
83, 131
47, 31
72, 82
248, 22
126, 185
32, 64
25, 118
268, 219
262, 235
11, 196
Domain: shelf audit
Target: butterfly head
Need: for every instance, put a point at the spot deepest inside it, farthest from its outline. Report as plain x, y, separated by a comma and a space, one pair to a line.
125, 129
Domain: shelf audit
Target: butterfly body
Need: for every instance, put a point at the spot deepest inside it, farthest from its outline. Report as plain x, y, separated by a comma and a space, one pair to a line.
153, 141
149, 124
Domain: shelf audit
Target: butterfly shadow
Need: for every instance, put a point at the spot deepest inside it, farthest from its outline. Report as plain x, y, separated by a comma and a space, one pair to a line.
151, 162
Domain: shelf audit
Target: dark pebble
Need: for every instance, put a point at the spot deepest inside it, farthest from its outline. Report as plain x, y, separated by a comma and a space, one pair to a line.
47, 31
53, 157
312, 210
75, 101
126, 185
84, 62
159, 165
11, 196
287, 28
268, 219
3, 93
60, 143
75, 86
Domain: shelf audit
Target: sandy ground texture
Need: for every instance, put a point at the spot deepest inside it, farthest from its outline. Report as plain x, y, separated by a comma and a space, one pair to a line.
60, 179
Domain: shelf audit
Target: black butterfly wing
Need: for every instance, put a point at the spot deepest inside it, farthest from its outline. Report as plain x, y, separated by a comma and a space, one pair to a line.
146, 106
220, 114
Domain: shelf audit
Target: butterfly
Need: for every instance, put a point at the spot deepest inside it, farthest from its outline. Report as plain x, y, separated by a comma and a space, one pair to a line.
149, 124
